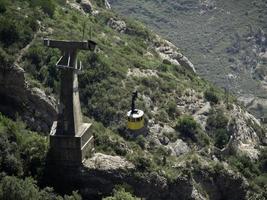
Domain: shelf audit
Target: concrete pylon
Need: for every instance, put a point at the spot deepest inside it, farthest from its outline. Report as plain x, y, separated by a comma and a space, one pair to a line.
70, 137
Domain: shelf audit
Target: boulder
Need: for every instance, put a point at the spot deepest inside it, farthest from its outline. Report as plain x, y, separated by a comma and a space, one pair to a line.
178, 148
164, 140
118, 25
86, 6
107, 162
107, 4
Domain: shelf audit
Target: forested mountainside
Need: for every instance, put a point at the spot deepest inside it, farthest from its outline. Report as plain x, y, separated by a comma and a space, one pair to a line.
200, 143
225, 40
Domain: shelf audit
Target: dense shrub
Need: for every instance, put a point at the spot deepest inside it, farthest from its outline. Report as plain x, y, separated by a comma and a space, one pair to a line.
217, 120
187, 126
48, 6
172, 109
263, 160
212, 96
5, 59
247, 167
217, 127
9, 32
22, 152
12, 188
3, 5
143, 163
121, 194
221, 138
141, 141
22, 158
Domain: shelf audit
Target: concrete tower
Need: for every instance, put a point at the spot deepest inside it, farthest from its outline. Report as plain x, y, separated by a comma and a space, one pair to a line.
70, 137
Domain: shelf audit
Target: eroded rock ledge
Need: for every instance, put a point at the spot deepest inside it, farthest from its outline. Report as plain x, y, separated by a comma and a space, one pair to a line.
101, 173
17, 98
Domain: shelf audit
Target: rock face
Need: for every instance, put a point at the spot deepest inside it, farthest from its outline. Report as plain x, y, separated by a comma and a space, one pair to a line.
178, 148
105, 162
16, 97
245, 139
107, 4
168, 51
94, 182
87, 6
118, 25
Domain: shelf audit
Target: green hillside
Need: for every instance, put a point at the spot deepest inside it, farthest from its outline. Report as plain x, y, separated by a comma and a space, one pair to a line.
223, 39
171, 95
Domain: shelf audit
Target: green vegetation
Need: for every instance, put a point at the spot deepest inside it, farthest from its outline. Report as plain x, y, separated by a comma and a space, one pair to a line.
22, 152
14, 188
231, 36
190, 129
48, 6
187, 127
212, 96
105, 91
22, 162
121, 194
217, 126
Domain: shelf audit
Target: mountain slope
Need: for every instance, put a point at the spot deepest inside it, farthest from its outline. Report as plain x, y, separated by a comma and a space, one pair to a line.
197, 134
226, 40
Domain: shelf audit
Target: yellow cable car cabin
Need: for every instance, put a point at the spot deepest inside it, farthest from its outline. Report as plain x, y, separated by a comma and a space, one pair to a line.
135, 117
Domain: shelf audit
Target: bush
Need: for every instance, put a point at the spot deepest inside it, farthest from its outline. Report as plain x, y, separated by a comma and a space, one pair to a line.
143, 163
217, 120
247, 167
12, 188
221, 138
217, 127
172, 109
48, 6
263, 160
3, 5
121, 194
261, 180
9, 32
187, 126
22, 152
212, 96
141, 141
5, 59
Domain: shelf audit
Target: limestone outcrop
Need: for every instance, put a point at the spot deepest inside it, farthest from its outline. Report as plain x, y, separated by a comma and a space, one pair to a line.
245, 139
168, 51
189, 184
106, 162
118, 25
107, 4
37, 109
87, 6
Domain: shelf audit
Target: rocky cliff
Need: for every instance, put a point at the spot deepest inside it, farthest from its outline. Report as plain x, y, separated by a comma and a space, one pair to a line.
18, 99
200, 143
195, 180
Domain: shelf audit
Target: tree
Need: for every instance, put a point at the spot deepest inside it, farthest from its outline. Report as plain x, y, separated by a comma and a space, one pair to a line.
9, 32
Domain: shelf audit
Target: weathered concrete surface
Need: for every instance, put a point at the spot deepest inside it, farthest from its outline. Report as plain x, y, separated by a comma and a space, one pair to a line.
70, 139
